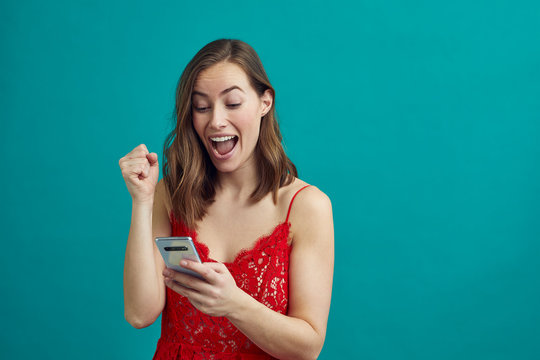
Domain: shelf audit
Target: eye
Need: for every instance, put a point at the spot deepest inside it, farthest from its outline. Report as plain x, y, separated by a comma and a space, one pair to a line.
234, 105
201, 109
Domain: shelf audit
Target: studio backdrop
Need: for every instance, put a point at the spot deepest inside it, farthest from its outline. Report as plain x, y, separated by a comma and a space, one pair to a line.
419, 119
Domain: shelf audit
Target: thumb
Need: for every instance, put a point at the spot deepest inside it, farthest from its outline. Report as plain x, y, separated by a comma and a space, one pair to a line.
152, 158
216, 266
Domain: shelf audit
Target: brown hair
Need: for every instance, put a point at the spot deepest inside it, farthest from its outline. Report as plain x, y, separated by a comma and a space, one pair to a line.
188, 172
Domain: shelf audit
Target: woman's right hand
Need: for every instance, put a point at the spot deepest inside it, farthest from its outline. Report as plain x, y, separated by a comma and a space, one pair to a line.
140, 170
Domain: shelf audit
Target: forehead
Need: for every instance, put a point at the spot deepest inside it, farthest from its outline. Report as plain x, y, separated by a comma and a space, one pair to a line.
219, 77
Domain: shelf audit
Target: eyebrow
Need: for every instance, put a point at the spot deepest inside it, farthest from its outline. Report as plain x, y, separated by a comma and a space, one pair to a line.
195, 92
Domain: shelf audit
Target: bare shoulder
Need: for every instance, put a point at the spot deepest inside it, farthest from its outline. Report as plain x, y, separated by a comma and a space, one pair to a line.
311, 199
311, 210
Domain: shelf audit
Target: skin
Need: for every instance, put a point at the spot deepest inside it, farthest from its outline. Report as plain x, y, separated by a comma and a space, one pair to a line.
232, 223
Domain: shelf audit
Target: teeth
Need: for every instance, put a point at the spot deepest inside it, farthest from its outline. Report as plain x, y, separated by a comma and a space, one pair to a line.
223, 138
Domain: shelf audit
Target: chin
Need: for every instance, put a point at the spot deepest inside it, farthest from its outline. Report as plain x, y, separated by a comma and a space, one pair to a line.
230, 167
225, 168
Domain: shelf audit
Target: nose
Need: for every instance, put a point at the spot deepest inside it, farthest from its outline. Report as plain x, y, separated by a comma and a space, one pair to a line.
218, 119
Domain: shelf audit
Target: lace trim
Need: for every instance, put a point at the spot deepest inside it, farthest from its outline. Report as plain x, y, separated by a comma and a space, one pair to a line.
204, 252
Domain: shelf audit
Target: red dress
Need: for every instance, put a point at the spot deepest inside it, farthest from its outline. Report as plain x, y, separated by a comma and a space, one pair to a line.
262, 272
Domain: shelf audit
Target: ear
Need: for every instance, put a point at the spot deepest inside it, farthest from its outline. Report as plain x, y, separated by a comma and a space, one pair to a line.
266, 102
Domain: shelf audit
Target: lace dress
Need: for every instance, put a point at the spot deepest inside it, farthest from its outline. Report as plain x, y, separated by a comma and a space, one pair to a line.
262, 272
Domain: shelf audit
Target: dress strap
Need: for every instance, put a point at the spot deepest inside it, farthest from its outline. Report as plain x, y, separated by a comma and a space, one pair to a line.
288, 212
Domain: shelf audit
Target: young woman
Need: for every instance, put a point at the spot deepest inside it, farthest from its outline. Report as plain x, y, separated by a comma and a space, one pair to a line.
267, 264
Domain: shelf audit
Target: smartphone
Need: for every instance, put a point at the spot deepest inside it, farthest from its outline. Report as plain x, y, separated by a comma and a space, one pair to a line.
177, 248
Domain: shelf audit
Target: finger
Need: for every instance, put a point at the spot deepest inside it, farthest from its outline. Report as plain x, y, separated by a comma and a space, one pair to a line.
218, 267
146, 169
137, 154
194, 297
186, 280
205, 270
197, 300
179, 288
152, 158
136, 164
130, 164
142, 147
139, 151
134, 169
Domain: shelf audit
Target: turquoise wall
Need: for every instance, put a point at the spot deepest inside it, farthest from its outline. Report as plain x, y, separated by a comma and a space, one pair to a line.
420, 120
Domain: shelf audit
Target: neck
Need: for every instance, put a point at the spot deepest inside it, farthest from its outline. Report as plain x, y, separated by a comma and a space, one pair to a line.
239, 184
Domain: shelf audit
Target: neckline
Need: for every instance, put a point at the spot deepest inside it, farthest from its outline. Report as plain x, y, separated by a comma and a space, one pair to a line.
257, 244
244, 251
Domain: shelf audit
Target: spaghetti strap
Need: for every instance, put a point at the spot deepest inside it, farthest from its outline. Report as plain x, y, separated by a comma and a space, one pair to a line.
290, 205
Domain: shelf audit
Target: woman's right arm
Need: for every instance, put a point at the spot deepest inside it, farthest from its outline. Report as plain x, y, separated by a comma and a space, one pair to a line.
144, 288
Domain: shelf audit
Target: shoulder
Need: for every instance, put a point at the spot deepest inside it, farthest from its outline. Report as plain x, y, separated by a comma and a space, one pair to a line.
307, 197
311, 207
311, 219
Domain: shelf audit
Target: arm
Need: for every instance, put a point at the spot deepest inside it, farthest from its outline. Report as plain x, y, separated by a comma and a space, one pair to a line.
144, 289
299, 334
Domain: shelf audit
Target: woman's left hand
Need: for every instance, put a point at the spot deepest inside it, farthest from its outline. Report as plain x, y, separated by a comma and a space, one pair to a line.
215, 297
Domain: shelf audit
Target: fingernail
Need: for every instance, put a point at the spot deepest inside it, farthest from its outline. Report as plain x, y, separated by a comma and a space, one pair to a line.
183, 262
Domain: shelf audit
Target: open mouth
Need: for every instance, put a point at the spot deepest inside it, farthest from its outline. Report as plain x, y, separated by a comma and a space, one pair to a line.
224, 144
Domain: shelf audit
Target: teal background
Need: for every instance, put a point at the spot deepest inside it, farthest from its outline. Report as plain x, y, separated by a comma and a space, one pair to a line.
420, 120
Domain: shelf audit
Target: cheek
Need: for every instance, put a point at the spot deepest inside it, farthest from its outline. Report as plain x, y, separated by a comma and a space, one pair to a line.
198, 125
249, 124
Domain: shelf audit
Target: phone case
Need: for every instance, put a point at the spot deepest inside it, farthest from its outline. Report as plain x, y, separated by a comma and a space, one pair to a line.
176, 248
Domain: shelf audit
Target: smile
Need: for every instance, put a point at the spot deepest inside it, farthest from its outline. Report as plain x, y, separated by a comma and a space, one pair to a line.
223, 146
223, 138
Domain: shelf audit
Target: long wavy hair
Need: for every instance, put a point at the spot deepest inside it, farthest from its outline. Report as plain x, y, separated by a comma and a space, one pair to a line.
188, 172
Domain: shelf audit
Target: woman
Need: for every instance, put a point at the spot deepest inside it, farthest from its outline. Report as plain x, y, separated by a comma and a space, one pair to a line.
227, 182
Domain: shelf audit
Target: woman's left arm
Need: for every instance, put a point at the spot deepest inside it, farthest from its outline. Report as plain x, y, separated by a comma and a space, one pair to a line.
300, 334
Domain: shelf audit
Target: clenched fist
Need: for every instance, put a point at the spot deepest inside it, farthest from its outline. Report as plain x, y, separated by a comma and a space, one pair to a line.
140, 170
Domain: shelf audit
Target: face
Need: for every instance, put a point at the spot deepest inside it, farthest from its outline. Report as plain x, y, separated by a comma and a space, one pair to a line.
227, 115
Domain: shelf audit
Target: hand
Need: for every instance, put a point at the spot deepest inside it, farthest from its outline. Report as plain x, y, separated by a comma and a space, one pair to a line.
216, 296
140, 170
